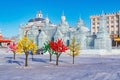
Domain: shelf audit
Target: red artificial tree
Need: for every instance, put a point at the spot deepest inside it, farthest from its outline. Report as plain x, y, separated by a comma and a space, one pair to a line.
58, 47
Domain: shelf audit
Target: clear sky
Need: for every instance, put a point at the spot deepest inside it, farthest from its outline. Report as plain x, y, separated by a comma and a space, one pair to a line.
16, 12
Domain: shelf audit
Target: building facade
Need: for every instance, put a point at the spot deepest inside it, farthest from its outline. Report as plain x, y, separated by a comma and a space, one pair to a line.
42, 29
113, 25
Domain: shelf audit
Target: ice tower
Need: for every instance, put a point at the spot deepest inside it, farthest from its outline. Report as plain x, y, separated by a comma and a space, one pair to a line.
103, 40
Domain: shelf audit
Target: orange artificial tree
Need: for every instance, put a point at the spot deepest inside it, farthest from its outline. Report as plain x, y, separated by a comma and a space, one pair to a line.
25, 46
58, 47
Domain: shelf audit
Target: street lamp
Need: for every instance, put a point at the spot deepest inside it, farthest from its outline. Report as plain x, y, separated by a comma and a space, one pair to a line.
39, 31
26, 30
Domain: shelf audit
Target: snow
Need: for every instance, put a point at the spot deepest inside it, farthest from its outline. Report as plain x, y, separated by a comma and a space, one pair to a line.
94, 67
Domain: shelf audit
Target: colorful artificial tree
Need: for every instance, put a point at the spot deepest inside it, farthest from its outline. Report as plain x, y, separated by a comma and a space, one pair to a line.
74, 49
46, 48
25, 45
12, 47
58, 47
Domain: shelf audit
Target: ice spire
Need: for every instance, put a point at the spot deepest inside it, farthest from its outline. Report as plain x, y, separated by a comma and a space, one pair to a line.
47, 19
63, 18
103, 23
39, 14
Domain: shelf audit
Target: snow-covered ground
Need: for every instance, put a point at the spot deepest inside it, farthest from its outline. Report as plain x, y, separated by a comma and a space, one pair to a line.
95, 67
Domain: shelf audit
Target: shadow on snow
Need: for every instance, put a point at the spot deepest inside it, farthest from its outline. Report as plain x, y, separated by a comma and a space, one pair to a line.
16, 62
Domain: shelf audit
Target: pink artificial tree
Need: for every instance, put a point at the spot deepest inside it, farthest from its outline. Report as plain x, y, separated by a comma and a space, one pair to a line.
12, 47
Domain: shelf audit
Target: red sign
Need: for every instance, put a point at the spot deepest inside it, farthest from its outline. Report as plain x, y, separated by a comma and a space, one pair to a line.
5, 40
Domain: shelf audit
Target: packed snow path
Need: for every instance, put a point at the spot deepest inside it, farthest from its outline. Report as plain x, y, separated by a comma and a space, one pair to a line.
85, 68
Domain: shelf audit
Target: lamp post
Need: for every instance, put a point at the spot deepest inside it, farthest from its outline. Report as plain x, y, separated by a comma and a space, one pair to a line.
39, 31
26, 30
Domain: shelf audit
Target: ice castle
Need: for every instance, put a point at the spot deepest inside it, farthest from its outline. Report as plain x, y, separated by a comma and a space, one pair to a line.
42, 29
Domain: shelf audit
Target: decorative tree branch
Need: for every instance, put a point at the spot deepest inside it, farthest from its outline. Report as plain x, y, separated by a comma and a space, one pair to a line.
74, 49
25, 45
12, 47
58, 47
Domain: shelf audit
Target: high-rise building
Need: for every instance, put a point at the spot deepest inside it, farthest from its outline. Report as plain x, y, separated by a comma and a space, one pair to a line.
113, 24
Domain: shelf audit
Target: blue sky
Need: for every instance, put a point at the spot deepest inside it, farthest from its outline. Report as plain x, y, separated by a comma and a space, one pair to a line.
16, 12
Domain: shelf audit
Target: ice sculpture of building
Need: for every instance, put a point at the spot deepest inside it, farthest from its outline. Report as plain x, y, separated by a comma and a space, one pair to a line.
103, 40
42, 29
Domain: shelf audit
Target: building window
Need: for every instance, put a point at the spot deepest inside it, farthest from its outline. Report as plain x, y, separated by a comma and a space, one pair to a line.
112, 26
117, 32
112, 22
117, 21
98, 23
108, 29
112, 32
117, 18
117, 26
93, 19
112, 17
107, 18
93, 33
93, 23
93, 27
97, 27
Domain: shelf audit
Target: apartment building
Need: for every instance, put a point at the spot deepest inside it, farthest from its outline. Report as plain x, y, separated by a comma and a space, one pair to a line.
112, 23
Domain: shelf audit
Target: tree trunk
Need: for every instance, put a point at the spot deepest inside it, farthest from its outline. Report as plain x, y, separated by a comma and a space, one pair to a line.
14, 55
73, 57
57, 57
26, 59
50, 57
